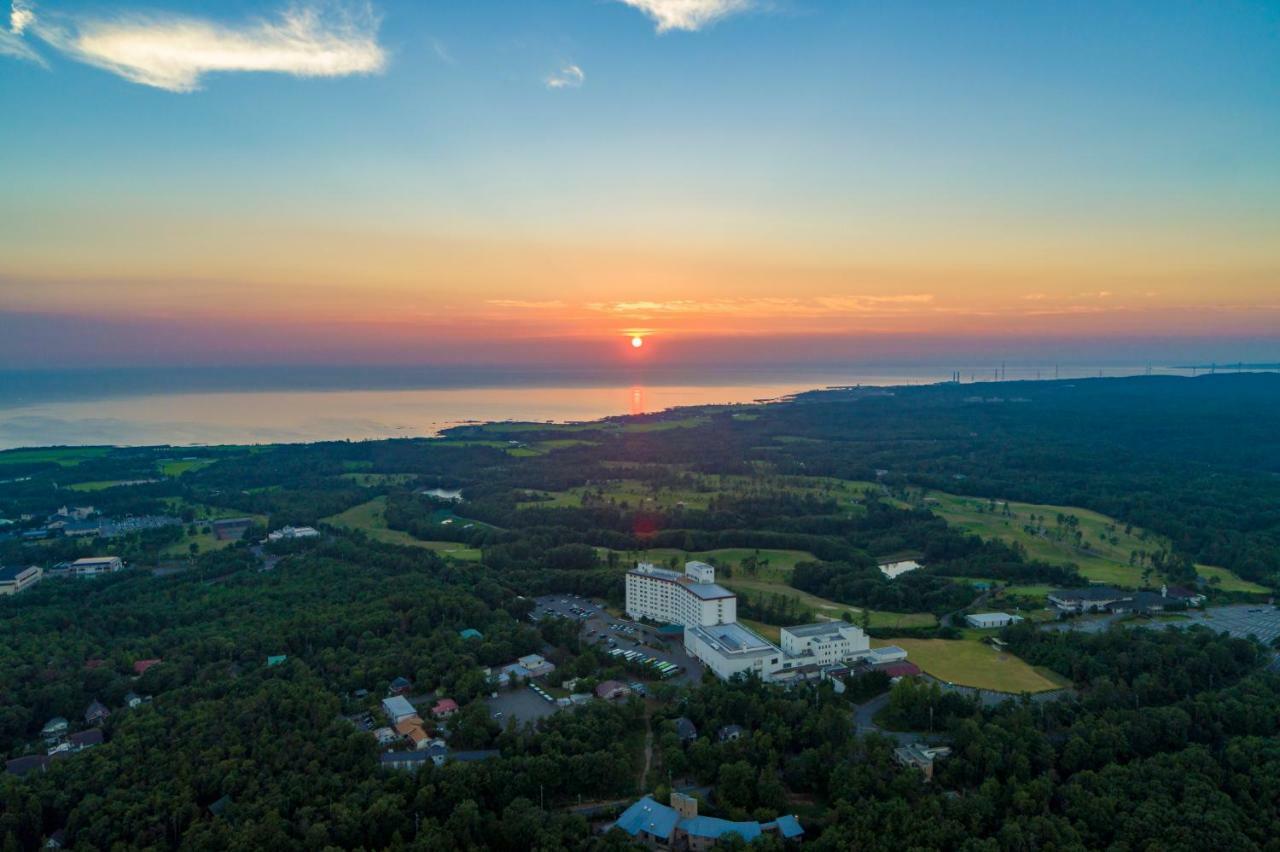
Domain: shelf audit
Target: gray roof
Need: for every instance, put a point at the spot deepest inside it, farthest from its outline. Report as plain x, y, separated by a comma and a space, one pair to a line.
708, 591
1089, 593
9, 573
821, 628
685, 728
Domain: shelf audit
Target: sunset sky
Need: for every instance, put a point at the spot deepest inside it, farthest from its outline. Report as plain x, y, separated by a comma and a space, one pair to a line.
535, 181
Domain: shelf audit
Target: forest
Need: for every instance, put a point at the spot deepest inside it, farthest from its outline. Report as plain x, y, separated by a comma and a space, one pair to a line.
1166, 739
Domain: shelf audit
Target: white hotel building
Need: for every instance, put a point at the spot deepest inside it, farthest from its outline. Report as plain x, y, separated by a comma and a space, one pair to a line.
709, 614
691, 599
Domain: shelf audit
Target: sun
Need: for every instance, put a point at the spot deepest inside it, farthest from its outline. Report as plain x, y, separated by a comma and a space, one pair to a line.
637, 342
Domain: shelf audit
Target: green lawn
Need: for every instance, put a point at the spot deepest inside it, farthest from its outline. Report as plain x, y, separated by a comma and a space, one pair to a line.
973, 663
699, 493
1228, 581
177, 467
1102, 555
99, 485
371, 518
825, 608
772, 564
65, 456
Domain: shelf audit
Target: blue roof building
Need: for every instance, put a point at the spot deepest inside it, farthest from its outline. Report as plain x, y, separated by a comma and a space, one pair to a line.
470, 633
659, 825
647, 820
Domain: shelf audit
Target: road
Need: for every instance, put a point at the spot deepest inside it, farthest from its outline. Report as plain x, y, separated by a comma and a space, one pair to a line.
864, 722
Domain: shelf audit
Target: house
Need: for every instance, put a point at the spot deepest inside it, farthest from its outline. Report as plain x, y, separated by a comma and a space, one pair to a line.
57, 840
55, 728
612, 689
231, 529
140, 668
511, 672
132, 700
686, 730
219, 807
28, 763
1182, 595
397, 707
400, 686
17, 578
537, 665
96, 713
385, 736
411, 729
1087, 599
444, 708
470, 633
276, 659
92, 566
988, 620
730, 733
920, 756
82, 740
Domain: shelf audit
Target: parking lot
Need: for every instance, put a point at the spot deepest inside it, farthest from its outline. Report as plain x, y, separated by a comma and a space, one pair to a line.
1238, 620
1241, 620
599, 627
521, 704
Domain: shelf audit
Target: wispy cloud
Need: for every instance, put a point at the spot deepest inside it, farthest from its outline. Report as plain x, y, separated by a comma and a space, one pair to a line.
174, 52
11, 41
523, 304
771, 306
568, 77
687, 14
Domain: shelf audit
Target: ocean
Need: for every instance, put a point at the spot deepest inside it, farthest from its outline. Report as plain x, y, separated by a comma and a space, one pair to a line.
244, 405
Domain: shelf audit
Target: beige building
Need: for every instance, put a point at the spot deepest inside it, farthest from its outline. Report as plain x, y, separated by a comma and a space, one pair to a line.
16, 578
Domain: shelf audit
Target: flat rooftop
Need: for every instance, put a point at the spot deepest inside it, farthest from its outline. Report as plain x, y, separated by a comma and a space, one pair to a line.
821, 628
705, 591
733, 638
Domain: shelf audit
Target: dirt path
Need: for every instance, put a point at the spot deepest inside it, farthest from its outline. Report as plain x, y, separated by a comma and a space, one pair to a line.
648, 751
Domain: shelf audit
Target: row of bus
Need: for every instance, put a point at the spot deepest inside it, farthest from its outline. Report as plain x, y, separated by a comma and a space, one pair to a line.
662, 667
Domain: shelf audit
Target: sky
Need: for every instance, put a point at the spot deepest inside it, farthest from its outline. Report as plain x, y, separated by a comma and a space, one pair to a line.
734, 181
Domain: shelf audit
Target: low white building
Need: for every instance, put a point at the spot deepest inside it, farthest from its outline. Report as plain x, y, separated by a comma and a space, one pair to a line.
397, 708
987, 620
896, 569
91, 566
691, 599
731, 649
16, 578
825, 643
289, 533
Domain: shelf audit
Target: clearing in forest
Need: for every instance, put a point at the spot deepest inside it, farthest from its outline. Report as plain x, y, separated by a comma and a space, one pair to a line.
969, 662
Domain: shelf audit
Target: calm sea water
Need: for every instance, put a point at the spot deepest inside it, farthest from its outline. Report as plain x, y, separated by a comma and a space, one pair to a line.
273, 405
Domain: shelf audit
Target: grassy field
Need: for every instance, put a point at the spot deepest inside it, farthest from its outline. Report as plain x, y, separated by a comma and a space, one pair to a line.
177, 467
774, 565
972, 663
825, 608
1229, 582
99, 485
1102, 554
65, 456
699, 493
371, 519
